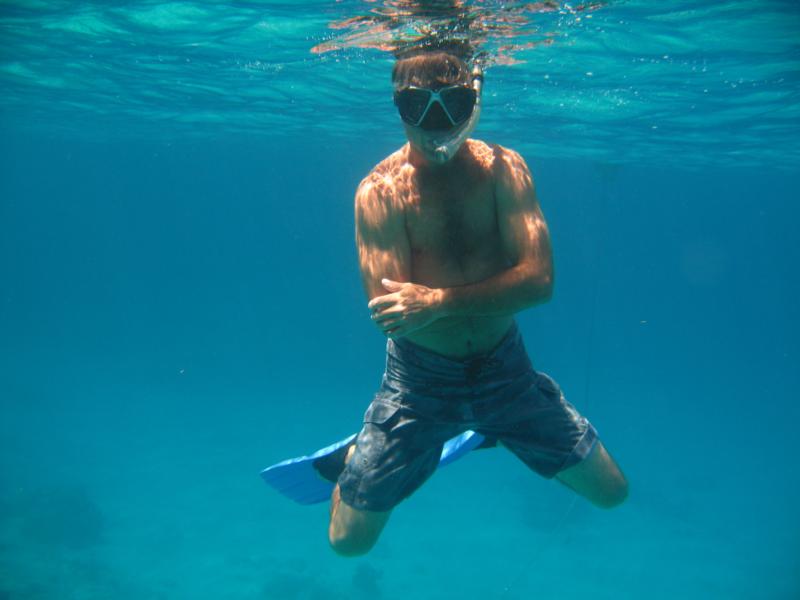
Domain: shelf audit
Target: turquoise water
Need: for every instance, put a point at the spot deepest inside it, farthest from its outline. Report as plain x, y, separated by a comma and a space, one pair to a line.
180, 305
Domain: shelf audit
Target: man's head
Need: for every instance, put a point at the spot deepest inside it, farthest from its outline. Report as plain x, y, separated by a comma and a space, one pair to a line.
430, 70
437, 97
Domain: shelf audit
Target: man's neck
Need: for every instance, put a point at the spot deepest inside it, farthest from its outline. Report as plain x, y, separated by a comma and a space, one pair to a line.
420, 162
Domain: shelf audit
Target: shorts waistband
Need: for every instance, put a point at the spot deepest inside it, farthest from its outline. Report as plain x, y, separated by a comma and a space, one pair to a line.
409, 354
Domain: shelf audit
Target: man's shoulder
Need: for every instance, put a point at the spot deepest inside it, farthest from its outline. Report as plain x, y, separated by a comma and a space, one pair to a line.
496, 160
393, 165
381, 182
495, 156
511, 175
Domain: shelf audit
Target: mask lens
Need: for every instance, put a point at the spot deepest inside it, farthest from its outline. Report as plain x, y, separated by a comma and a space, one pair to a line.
436, 119
411, 104
459, 102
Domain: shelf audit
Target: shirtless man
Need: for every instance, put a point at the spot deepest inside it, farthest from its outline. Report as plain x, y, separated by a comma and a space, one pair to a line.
451, 244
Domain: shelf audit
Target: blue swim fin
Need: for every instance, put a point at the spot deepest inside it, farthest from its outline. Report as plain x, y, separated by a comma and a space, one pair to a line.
310, 479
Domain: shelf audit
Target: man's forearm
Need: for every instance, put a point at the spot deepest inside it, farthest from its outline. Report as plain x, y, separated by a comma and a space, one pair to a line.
506, 293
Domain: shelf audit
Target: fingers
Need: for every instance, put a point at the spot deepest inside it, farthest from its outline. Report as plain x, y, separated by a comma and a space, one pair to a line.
389, 320
389, 323
398, 327
392, 315
391, 312
390, 285
380, 302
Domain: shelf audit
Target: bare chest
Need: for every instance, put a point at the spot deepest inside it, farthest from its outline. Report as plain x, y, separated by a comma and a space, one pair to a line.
453, 232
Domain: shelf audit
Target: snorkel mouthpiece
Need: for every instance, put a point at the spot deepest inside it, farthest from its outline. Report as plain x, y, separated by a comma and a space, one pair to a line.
442, 154
446, 148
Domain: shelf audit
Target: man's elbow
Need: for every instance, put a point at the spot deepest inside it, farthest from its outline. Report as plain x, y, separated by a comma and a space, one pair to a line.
546, 288
537, 285
541, 289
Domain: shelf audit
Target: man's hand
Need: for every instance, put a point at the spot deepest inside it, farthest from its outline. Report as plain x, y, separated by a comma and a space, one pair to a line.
409, 307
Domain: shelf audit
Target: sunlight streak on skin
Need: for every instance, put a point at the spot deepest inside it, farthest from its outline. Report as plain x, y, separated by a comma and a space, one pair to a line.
384, 202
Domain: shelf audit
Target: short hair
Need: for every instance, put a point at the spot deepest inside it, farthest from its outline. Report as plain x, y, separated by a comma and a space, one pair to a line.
431, 70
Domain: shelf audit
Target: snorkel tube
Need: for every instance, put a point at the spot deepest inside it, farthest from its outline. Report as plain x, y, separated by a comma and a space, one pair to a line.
446, 147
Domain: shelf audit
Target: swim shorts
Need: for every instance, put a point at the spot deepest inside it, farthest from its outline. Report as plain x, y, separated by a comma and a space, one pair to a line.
426, 398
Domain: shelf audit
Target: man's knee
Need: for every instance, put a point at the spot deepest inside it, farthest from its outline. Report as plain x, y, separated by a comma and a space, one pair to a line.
349, 543
356, 532
597, 478
353, 532
613, 494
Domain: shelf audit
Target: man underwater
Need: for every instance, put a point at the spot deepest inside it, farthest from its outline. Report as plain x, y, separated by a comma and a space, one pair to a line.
451, 244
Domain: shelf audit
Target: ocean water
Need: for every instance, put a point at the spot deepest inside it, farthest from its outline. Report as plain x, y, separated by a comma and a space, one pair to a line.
180, 304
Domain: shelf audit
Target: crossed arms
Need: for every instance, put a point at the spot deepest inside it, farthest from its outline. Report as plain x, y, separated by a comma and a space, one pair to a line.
385, 257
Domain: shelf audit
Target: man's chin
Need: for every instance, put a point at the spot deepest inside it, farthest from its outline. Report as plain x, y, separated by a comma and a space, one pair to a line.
439, 154
439, 157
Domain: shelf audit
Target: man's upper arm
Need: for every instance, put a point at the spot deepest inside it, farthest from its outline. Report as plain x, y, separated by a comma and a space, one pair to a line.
381, 238
526, 240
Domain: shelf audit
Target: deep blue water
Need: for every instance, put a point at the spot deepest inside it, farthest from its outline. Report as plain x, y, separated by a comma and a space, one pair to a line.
180, 309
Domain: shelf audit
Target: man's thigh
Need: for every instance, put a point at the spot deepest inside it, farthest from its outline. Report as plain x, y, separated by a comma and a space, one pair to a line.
597, 478
395, 452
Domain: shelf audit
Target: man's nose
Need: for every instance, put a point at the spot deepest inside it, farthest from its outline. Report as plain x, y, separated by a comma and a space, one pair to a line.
436, 119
